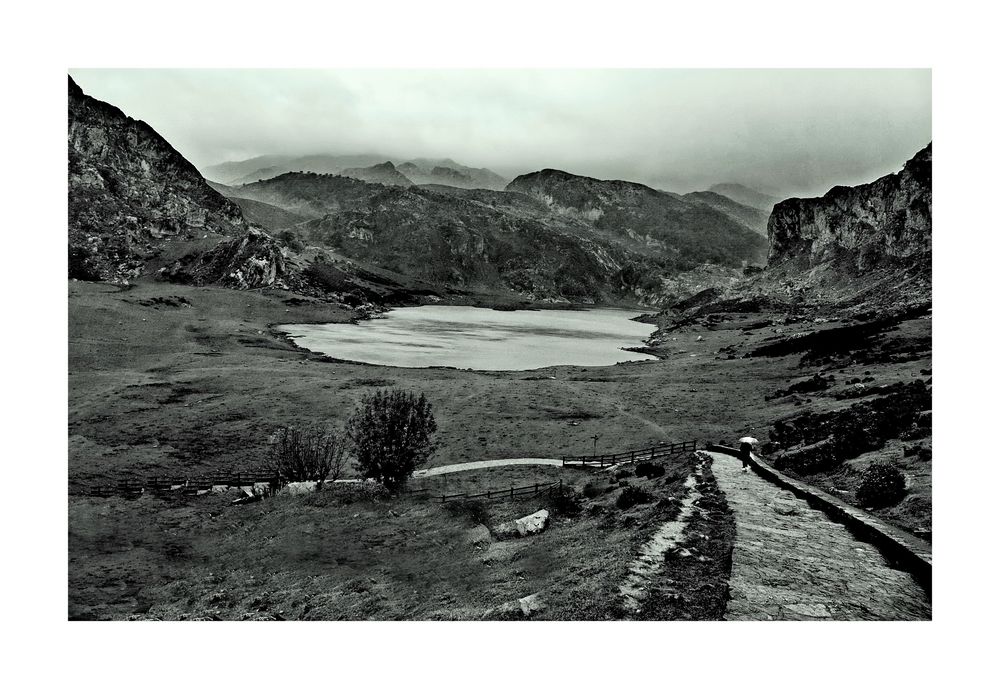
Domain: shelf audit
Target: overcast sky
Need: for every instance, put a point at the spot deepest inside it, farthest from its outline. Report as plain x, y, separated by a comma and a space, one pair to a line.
790, 132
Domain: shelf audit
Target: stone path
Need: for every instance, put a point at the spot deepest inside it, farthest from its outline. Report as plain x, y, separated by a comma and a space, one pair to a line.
791, 562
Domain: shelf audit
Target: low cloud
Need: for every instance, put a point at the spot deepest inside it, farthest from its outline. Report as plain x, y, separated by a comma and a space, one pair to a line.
790, 132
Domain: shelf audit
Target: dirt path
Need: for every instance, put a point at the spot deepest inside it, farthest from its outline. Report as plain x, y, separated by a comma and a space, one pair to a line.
650, 560
791, 562
487, 464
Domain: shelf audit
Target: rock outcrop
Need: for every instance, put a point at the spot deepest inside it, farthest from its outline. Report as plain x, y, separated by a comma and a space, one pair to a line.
254, 260
130, 193
881, 224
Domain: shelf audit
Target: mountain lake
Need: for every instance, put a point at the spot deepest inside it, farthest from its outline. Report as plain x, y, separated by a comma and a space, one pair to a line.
483, 339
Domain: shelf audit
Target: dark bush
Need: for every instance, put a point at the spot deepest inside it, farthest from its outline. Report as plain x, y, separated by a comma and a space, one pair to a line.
391, 431
881, 485
82, 265
291, 240
565, 503
648, 470
591, 490
475, 511
623, 473
632, 496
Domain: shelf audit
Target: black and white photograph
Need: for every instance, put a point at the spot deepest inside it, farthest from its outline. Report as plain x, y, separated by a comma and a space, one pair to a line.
488, 373
564, 343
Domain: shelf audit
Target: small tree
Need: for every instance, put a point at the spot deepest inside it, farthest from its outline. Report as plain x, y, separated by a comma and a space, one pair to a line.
882, 485
308, 454
391, 431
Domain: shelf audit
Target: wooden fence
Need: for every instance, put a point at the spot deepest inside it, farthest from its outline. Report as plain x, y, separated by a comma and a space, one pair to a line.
200, 484
649, 453
508, 493
188, 485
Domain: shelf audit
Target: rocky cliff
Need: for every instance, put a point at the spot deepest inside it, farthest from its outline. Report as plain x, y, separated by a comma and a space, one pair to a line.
130, 193
881, 224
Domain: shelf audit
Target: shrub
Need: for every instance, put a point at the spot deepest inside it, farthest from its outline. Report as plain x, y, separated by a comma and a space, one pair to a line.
623, 473
291, 240
475, 511
81, 264
566, 503
647, 470
307, 454
591, 490
881, 485
391, 431
632, 496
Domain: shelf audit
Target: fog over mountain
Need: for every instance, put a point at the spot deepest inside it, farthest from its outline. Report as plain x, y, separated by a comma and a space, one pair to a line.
782, 132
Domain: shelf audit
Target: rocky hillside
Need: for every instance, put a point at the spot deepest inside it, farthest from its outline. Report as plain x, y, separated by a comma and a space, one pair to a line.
686, 233
881, 224
751, 218
131, 193
383, 173
465, 239
745, 196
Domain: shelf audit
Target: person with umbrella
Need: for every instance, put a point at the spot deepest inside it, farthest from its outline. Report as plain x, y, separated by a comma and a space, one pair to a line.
746, 447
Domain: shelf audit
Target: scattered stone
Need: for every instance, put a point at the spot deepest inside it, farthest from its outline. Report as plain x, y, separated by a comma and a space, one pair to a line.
533, 604
297, 488
809, 609
533, 523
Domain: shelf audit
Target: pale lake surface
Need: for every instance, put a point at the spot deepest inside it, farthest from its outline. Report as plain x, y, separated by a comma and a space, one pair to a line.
481, 339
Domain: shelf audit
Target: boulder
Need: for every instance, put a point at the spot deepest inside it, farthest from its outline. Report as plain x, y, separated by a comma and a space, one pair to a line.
533, 523
532, 605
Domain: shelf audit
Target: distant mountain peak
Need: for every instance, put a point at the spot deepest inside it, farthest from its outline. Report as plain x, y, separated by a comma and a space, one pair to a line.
745, 195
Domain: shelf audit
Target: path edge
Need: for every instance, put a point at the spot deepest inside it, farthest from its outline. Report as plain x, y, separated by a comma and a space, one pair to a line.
900, 548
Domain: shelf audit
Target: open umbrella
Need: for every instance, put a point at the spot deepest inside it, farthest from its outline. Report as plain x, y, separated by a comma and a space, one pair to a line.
748, 439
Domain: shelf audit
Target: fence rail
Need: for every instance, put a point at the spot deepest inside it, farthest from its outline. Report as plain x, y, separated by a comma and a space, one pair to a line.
509, 493
188, 485
649, 453
194, 485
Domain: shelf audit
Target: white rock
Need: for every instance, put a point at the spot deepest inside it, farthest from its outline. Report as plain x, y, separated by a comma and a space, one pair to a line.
532, 604
533, 523
298, 488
